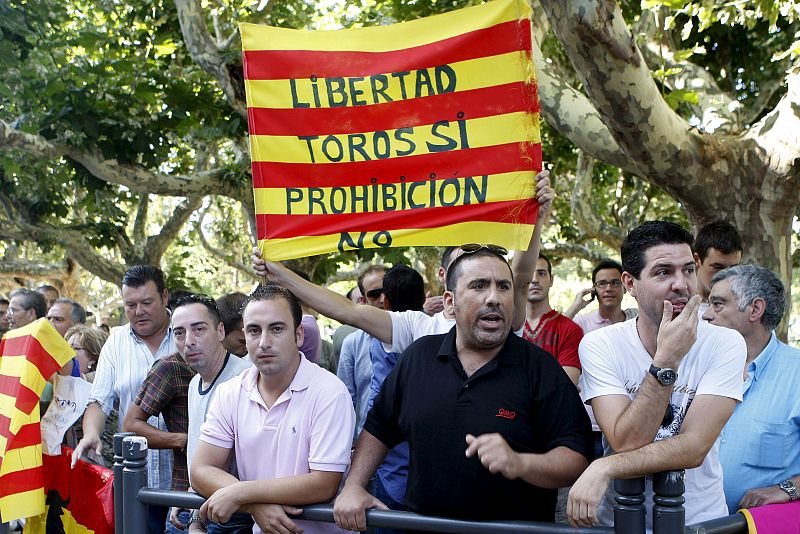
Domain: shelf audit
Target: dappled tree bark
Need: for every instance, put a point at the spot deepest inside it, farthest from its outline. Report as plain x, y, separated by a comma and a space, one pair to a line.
749, 177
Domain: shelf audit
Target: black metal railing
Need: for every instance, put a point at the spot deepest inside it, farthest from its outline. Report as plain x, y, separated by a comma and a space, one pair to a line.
131, 497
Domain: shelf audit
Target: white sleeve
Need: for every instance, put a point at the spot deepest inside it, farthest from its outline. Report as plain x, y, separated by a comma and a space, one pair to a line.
726, 358
105, 376
600, 373
347, 362
404, 326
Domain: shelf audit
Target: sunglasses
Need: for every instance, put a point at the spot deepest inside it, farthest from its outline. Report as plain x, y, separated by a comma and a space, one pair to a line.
471, 248
374, 294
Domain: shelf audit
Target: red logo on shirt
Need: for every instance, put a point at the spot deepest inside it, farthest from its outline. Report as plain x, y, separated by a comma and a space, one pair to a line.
506, 414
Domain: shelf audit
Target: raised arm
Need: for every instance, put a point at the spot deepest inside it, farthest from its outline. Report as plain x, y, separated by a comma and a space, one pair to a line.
524, 262
374, 321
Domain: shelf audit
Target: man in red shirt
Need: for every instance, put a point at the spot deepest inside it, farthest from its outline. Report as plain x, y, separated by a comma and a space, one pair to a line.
548, 328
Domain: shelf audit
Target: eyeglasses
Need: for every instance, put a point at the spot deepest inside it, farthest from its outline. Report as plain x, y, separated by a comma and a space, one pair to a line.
12, 310
602, 284
669, 416
374, 294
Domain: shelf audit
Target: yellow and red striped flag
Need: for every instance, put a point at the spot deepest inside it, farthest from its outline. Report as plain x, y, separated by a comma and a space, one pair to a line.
418, 133
28, 357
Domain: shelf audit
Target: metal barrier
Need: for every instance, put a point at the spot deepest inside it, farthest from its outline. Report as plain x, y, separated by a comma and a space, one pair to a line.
669, 515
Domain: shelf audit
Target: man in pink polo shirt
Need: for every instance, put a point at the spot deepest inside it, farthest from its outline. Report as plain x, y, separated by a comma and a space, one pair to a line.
289, 422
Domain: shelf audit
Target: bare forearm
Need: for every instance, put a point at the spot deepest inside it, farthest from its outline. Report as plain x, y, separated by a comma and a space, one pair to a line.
156, 439
375, 322
555, 469
370, 452
309, 488
522, 267
638, 424
94, 421
206, 479
684, 451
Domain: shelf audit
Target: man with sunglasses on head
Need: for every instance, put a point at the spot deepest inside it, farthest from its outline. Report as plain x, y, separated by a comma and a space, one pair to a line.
661, 386
607, 289
493, 423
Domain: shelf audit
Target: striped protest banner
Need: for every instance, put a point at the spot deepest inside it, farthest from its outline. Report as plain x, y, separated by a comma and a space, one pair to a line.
28, 357
418, 133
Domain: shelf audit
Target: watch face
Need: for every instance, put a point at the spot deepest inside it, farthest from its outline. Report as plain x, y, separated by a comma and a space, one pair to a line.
667, 376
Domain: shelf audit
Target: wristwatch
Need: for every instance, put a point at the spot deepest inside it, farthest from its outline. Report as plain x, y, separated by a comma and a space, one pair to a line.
664, 375
195, 518
789, 487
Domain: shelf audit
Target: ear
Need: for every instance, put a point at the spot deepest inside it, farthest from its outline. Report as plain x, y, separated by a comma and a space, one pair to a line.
757, 309
449, 302
220, 331
697, 260
386, 304
165, 296
299, 336
442, 273
628, 283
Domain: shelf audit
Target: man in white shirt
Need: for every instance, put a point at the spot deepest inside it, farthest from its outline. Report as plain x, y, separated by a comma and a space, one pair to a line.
123, 365
662, 386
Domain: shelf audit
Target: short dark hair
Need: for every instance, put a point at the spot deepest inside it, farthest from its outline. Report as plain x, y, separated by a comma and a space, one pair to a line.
605, 263
78, 311
199, 298
404, 288
751, 282
454, 270
175, 296
47, 287
369, 270
349, 294
720, 235
230, 310
31, 300
446, 257
139, 275
542, 256
648, 235
272, 291
4, 301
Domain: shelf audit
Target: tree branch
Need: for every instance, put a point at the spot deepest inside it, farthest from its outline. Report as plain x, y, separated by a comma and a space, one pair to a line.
33, 269
157, 244
206, 54
73, 242
583, 210
227, 258
569, 111
573, 250
621, 88
134, 177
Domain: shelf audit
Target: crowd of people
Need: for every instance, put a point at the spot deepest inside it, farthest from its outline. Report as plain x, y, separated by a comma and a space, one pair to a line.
482, 403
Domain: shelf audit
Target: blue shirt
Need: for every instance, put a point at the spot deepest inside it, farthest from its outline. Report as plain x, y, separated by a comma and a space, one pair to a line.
355, 370
760, 444
393, 472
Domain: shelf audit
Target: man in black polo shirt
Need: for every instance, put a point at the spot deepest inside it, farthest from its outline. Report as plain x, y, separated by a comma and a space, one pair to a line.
493, 422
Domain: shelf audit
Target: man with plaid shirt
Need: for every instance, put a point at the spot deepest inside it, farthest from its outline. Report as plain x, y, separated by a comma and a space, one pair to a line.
165, 391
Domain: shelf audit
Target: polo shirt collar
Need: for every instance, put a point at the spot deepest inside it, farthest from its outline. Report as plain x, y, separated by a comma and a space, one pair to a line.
506, 356
758, 365
302, 380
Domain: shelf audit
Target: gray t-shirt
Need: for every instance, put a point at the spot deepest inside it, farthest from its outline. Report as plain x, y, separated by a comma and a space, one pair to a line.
199, 398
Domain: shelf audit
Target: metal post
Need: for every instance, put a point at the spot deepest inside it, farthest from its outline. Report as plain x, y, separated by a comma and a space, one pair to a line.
669, 515
629, 508
134, 477
118, 521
